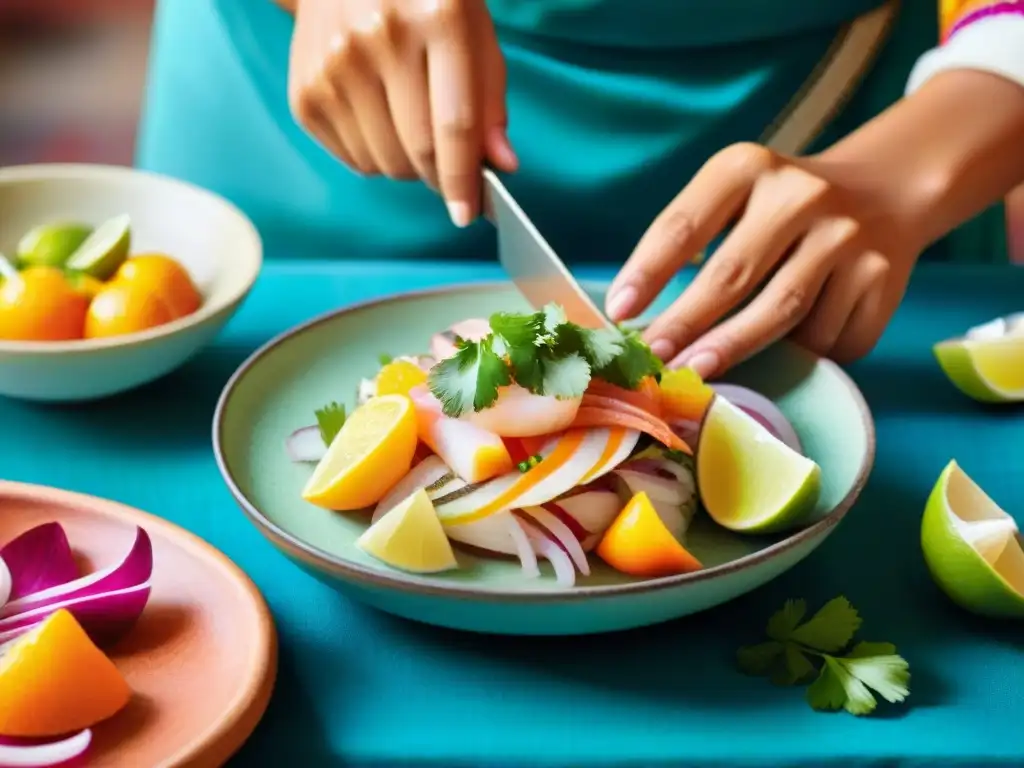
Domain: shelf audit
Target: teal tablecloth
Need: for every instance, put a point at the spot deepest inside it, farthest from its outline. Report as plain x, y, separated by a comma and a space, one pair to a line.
358, 688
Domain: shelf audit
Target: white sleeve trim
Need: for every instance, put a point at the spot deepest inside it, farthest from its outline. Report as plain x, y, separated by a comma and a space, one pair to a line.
994, 44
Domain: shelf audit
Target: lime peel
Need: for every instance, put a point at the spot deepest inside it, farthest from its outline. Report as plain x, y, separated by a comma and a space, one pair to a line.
987, 363
972, 547
105, 250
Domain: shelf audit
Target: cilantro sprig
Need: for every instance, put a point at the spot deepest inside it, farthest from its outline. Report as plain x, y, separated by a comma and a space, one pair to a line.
797, 650
542, 352
330, 419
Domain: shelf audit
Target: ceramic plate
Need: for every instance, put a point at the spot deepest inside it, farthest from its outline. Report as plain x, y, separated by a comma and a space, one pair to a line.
202, 659
276, 390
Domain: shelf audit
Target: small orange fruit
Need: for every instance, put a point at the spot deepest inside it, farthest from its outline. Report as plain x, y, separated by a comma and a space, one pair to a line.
684, 395
639, 544
86, 285
163, 276
399, 378
122, 308
54, 680
41, 305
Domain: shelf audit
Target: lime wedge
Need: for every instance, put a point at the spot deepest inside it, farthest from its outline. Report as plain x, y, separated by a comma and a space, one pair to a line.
972, 547
987, 363
104, 250
50, 245
410, 537
750, 481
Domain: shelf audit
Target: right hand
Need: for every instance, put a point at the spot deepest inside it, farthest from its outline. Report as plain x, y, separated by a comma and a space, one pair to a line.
405, 89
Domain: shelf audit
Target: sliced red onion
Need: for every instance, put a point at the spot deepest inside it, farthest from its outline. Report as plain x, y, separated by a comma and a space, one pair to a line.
305, 444
565, 573
762, 410
688, 431
35, 753
105, 616
502, 533
6, 583
560, 532
426, 473
593, 511
136, 568
38, 559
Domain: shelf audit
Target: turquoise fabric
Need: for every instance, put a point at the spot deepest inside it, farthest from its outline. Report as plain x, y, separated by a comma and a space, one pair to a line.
358, 688
613, 105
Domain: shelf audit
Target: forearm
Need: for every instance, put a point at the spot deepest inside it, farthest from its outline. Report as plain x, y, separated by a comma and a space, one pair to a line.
957, 145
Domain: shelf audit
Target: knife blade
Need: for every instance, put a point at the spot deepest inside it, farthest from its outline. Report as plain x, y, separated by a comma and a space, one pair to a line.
531, 262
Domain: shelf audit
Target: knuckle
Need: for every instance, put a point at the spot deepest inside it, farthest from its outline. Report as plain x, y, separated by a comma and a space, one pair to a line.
792, 302
424, 156
678, 225
344, 48
748, 156
444, 12
304, 103
844, 232
459, 126
731, 276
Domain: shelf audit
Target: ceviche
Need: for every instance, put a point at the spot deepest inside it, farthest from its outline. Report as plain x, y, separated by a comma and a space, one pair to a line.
528, 436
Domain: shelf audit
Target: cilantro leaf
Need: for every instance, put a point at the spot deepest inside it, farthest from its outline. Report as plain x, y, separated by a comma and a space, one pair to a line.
330, 419
469, 380
784, 621
565, 377
384, 359
518, 330
761, 658
634, 363
848, 682
831, 628
796, 667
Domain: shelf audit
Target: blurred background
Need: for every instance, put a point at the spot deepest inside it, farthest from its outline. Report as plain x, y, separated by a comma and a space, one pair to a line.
72, 75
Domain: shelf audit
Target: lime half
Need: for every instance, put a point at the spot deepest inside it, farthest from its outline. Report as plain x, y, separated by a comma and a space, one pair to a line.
750, 481
972, 547
104, 250
50, 245
411, 538
987, 363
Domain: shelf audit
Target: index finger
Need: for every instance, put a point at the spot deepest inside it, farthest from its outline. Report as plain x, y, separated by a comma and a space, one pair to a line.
686, 226
455, 114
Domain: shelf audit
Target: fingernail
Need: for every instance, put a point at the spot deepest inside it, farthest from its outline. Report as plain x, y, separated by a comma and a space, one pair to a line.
663, 348
460, 213
620, 303
704, 363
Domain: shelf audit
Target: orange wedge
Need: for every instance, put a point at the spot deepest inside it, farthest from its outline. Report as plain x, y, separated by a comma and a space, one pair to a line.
54, 680
684, 395
400, 378
639, 544
371, 453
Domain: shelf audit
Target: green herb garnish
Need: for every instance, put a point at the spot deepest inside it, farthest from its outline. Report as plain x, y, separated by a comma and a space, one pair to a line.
384, 359
330, 419
542, 352
843, 681
527, 464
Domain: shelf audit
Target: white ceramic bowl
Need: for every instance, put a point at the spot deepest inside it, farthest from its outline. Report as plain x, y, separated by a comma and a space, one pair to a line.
215, 241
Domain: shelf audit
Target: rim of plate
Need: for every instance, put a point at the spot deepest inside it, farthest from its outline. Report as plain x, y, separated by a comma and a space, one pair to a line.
424, 585
249, 703
208, 309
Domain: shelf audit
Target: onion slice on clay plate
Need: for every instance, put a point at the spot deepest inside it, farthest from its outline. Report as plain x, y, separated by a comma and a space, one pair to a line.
763, 410
34, 753
37, 559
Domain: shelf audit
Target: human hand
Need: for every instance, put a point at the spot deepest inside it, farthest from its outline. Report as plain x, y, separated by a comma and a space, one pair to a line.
405, 89
822, 248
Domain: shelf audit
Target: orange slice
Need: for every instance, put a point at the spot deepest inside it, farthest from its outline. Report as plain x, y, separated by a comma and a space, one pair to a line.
400, 378
638, 543
371, 453
54, 680
684, 395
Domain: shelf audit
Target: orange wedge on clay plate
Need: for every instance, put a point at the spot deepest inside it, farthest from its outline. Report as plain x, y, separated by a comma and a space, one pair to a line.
639, 544
54, 680
972, 547
987, 363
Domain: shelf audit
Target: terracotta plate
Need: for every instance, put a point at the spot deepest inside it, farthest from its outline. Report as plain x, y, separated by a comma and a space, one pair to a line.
202, 659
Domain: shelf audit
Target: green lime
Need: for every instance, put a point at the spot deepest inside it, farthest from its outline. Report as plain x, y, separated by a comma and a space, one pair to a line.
104, 251
972, 547
410, 537
750, 481
50, 245
987, 364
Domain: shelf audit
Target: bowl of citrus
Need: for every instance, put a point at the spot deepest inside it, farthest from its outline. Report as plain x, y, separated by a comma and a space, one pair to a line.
111, 277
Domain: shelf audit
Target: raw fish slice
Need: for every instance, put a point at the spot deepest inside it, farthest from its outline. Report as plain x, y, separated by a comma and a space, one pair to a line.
442, 345
473, 453
520, 413
591, 416
647, 397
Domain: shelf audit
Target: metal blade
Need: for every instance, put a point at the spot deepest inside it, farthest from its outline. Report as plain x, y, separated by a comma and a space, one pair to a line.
532, 264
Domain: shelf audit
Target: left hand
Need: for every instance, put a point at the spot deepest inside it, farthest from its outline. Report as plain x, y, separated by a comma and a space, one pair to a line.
823, 249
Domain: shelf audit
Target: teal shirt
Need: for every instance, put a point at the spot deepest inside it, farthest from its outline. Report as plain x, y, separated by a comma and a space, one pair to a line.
613, 105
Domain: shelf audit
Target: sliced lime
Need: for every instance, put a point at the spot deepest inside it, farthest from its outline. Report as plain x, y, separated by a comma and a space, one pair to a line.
749, 480
972, 547
987, 363
410, 537
50, 245
104, 251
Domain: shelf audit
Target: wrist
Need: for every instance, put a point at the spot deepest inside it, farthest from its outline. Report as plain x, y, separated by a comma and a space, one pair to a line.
941, 155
